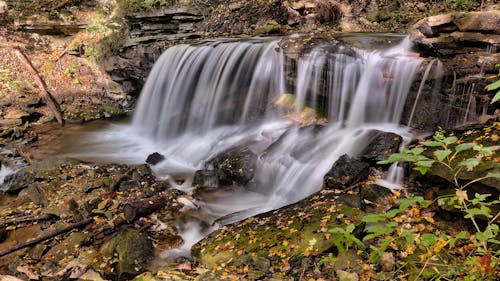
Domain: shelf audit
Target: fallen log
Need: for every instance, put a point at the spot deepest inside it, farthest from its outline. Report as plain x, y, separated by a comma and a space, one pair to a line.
44, 92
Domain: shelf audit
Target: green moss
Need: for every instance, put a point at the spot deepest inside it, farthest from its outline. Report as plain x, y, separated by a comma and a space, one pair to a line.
287, 234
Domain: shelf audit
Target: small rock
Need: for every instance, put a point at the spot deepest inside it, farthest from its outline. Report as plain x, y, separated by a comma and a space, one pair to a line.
155, 158
375, 193
347, 276
387, 262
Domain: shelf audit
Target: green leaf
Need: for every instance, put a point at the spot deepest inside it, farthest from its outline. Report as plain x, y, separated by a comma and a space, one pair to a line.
428, 239
397, 157
482, 211
450, 140
464, 146
392, 213
493, 175
442, 154
379, 230
350, 228
373, 218
469, 163
432, 143
409, 236
496, 97
493, 86
416, 150
425, 163
461, 235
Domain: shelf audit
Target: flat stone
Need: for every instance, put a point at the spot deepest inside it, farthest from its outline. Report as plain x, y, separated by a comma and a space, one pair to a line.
440, 19
487, 21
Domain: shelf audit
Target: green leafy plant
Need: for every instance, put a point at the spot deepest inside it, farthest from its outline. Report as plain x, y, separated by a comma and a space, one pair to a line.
495, 86
386, 228
454, 156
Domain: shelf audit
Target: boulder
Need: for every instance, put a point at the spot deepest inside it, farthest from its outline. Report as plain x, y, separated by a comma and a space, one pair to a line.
154, 158
345, 172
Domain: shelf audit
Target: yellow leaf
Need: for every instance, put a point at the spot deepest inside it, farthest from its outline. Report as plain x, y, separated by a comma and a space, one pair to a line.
461, 195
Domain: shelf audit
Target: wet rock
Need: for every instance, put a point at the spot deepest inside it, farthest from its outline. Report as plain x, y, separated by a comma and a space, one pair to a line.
346, 172
133, 249
381, 147
18, 180
155, 158
235, 166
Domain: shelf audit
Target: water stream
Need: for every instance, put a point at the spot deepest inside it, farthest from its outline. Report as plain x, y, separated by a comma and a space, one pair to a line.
201, 100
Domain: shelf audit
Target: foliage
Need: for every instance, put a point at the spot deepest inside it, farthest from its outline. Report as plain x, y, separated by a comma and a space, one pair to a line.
408, 230
495, 86
451, 153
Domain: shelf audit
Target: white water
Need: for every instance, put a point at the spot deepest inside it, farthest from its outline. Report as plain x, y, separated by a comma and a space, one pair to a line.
202, 100
4, 171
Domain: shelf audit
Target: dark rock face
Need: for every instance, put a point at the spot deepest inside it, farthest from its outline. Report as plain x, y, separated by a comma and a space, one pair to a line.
149, 35
346, 172
467, 46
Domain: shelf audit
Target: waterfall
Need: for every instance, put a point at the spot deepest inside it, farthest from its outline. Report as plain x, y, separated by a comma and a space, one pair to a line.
200, 100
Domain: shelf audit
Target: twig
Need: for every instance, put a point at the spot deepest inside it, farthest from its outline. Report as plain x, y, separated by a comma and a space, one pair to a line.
46, 237
41, 84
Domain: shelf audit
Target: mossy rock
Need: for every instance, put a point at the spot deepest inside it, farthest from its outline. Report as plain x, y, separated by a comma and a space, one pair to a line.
133, 250
268, 27
272, 241
94, 112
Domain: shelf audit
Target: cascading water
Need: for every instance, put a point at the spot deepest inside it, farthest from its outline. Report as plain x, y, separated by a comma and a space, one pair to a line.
201, 100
